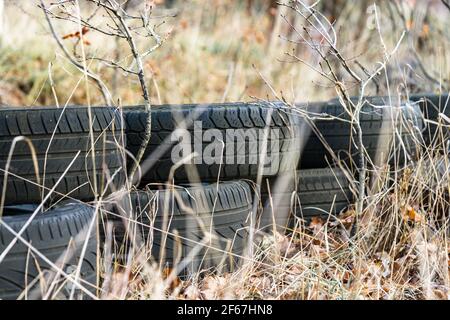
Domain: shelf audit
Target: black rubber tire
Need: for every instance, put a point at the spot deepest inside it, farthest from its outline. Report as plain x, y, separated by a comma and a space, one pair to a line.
337, 134
231, 214
318, 192
50, 233
165, 119
431, 105
71, 135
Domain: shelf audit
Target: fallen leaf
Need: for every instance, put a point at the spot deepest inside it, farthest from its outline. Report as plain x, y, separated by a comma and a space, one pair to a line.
412, 215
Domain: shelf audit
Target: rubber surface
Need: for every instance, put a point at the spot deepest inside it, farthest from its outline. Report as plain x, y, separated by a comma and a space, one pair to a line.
50, 233
318, 192
247, 119
377, 124
223, 210
431, 105
54, 153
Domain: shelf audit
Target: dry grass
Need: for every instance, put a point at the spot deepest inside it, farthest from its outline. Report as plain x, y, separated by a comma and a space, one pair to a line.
217, 52
209, 45
399, 251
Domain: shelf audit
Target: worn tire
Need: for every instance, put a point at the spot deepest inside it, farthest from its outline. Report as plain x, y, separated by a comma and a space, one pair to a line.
50, 233
237, 116
71, 135
431, 105
229, 220
318, 192
376, 125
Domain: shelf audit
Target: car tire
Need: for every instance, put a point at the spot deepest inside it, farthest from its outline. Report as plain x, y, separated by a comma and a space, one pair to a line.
57, 134
377, 126
431, 106
317, 193
142, 214
243, 118
51, 233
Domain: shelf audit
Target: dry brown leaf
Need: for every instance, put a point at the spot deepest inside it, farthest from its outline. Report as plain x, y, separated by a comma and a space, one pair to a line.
440, 293
175, 282
192, 293
316, 225
285, 246
84, 30
216, 287
410, 214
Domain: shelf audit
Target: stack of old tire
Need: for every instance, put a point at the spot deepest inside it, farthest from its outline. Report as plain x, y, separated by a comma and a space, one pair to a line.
283, 172
64, 169
52, 163
327, 176
204, 221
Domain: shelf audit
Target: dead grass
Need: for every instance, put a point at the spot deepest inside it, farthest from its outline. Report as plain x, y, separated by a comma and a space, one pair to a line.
214, 52
401, 251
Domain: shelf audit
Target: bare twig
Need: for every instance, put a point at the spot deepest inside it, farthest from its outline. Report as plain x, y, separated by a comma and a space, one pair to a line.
418, 59
101, 86
325, 49
120, 24
141, 75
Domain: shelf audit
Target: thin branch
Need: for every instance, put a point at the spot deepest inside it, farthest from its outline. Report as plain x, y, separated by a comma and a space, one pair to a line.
101, 86
416, 55
111, 63
145, 92
85, 23
117, 26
